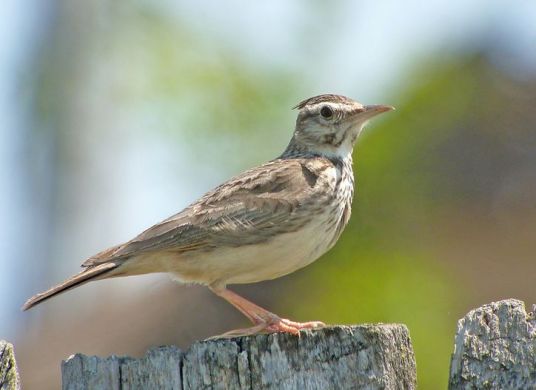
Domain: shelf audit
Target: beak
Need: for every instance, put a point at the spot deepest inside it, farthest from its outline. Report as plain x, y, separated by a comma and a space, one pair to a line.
373, 110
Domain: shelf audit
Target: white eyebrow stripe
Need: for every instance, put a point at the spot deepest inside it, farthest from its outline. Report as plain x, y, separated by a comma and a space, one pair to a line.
335, 106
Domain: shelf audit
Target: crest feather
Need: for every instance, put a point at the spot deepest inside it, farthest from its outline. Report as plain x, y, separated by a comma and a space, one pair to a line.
323, 98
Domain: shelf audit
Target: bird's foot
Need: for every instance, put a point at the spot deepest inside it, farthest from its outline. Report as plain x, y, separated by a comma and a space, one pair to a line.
282, 325
264, 321
275, 325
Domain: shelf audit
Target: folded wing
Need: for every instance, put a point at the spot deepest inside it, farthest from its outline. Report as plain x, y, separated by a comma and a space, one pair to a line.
247, 209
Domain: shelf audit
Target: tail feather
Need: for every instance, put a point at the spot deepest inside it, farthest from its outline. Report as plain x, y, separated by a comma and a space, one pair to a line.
83, 277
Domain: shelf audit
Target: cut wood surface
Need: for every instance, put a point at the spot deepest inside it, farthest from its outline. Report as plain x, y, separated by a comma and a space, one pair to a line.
9, 375
495, 348
339, 357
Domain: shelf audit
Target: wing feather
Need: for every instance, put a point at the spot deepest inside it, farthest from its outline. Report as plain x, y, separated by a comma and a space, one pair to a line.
247, 209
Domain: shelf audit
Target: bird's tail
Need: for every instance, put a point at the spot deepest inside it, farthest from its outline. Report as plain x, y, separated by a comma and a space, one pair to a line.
87, 275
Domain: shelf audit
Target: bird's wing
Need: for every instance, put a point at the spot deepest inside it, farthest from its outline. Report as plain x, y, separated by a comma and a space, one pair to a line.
247, 209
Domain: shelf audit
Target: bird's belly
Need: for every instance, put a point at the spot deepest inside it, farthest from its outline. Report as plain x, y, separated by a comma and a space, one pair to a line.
279, 256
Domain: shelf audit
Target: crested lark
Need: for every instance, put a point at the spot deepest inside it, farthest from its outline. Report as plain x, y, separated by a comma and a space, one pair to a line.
262, 224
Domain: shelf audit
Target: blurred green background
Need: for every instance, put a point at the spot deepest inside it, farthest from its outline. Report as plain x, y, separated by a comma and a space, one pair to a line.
116, 115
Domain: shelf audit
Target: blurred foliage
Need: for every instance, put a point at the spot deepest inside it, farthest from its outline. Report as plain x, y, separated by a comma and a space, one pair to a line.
177, 83
192, 74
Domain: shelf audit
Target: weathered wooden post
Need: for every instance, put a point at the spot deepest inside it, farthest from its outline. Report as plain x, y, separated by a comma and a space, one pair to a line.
339, 357
495, 348
9, 374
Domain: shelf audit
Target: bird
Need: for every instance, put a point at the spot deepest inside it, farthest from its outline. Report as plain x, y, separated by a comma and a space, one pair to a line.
264, 223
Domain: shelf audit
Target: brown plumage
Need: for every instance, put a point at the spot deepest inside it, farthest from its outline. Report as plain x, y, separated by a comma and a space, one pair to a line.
261, 224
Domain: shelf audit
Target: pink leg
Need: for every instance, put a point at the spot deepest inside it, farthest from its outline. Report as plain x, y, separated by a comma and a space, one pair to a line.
263, 320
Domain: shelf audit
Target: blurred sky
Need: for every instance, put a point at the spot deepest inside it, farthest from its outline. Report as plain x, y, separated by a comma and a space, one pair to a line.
21, 24
377, 42
333, 45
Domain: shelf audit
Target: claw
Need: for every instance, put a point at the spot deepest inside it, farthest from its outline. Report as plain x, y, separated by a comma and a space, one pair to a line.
278, 325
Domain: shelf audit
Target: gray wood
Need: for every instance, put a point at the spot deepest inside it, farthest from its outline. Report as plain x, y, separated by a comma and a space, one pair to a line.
9, 374
339, 357
495, 348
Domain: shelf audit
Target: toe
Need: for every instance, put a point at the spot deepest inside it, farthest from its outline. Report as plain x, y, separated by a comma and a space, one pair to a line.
304, 325
282, 327
260, 328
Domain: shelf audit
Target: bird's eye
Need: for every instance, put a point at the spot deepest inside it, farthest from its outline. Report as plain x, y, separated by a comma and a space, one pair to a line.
326, 112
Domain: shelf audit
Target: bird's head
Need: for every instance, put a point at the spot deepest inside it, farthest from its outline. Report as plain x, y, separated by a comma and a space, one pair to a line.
330, 124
